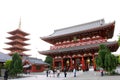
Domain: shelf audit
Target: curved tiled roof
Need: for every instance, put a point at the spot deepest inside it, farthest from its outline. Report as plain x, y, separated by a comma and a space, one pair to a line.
79, 48
17, 42
13, 37
17, 31
35, 61
77, 28
17, 48
4, 57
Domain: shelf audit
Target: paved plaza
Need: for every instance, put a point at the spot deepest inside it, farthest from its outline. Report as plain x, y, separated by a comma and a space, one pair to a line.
90, 75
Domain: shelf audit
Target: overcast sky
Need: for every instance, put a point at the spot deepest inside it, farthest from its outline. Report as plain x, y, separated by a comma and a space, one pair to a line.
41, 17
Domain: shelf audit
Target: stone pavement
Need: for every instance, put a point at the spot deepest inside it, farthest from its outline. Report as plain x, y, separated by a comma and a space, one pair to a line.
90, 75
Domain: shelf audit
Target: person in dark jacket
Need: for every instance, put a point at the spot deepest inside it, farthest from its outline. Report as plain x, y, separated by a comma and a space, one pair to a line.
65, 72
47, 72
6, 75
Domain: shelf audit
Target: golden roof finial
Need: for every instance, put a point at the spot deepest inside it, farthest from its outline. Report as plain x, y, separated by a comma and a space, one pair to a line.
19, 23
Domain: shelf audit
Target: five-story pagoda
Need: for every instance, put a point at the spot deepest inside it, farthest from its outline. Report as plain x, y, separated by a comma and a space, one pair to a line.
77, 46
17, 41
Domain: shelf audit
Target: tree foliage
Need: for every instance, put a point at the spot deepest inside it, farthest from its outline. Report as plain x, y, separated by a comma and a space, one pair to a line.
110, 62
16, 65
49, 60
7, 64
119, 45
119, 59
105, 59
101, 56
119, 40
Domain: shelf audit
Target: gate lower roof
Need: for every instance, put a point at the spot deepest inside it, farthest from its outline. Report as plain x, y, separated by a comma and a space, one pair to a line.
113, 46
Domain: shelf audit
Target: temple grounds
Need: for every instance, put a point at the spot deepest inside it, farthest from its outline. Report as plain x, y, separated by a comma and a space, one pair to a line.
89, 75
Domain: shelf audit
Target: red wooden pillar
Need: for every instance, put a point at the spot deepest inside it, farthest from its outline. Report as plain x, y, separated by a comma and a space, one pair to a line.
83, 63
94, 64
71, 64
53, 63
75, 63
79, 68
62, 64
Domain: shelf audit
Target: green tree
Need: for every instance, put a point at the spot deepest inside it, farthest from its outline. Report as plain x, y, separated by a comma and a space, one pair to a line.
110, 63
119, 40
49, 60
105, 59
101, 56
119, 59
119, 45
16, 65
98, 61
7, 64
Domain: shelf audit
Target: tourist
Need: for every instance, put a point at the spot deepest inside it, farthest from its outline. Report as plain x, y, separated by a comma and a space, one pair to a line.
58, 73
50, 72
101, 70
102, 73
53, 72
6, 75
47, 72
74, 72
65, 72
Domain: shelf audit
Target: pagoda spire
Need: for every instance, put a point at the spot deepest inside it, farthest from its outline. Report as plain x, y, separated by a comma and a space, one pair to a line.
19, 26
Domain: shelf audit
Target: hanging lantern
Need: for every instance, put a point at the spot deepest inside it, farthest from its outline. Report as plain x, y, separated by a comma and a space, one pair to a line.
67, 62
59, 42
68, 41
78, 39
88, 60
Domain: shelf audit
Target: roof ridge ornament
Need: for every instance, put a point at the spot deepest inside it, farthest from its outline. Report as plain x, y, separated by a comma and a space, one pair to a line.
19, 26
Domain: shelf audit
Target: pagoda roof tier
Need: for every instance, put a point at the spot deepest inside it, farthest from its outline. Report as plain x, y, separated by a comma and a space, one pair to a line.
16, 48
81, 29
17, 42
113, 46
17, 37
21, 54
18, 31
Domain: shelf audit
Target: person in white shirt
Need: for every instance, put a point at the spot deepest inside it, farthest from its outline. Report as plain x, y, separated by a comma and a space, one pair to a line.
58, 73
74, 72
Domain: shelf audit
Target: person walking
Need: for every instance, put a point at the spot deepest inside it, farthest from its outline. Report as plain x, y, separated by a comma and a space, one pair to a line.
6, 75
65, 72
58, 73
102, 73
53, 72
47, 72
101, 70
50, 72
74, 72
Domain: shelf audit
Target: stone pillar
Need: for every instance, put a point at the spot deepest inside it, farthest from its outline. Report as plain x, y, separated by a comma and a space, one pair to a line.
94, 64
83, 63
